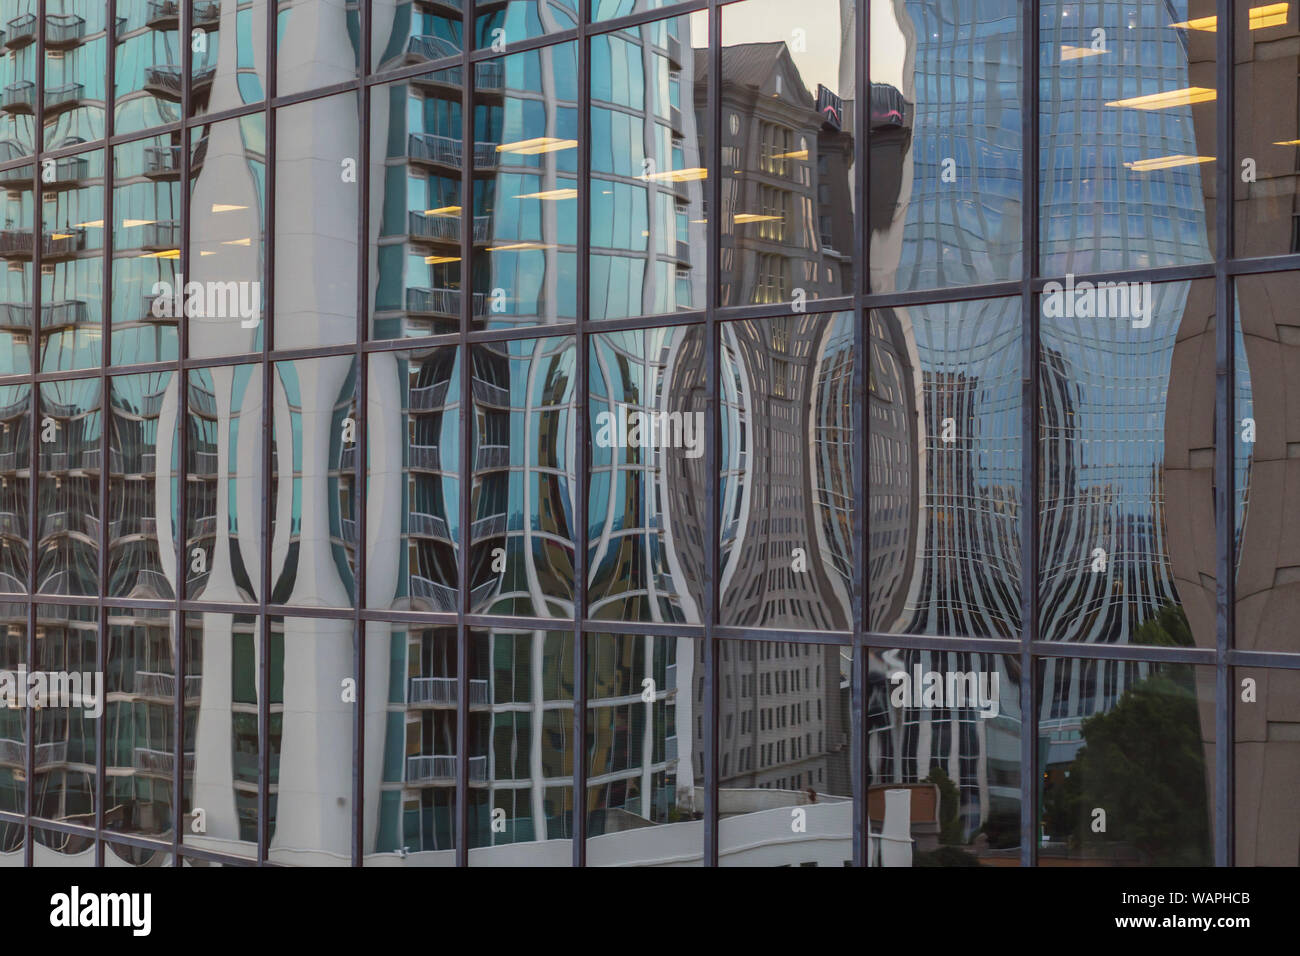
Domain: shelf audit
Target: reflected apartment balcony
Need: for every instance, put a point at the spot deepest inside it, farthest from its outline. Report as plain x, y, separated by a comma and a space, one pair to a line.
162, 163
13, 753
159, 763
423, 458
439, 596
440, 303
61, 99
422, 227
437, 768
19, 98
425, 525
55, 246
69, 522
160, 236
20, 31
430, 149
491, 458
147, 313
64, 30
486, 393
451, 9
166, 14
423, 49
426, 398
70, 172
492, 526
164, 82
161, 687
443, 692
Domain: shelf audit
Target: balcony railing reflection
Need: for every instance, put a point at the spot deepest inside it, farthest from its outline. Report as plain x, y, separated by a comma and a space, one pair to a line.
17, 244
424, 458
161, 686
20, 31
438, 768
166, 14
13, 753
160, 236
164, 82
439, 596
444, 691
441, 302
491, 457
60, 99
19, 97
421, 226
427, 397
161, 762
428, 526
448, 151
162, 162
64, 30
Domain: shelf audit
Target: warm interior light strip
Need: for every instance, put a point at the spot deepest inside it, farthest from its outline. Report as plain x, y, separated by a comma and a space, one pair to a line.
1167, 162
551, 194
797, 154
1163, 101
439, 260
741, 218
678, 175
1269, 15
542, 144
520, 247
443, 211
1078, 52
1288, 142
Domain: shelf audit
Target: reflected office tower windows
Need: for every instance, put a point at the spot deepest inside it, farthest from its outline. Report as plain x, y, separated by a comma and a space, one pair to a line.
17, 204
783, 754
1267, 128
415, 207
146, 65
13, 735
15, 488
314, 505
146, 263
67, 499
644, 803
648, 230
412, 480
525, 461
309, 732
72, 262
316, 259
140, 711
1267, 763
1267, 439
227, 255
787, 472
1134, 740
1127, 136
945, 469
521, 746
223, 480
526, 125
1126, 456
411, 728
228, 54
943, 758
76, 44
946, 146
143, 491
317, 44
788, 103
219, 748
646, 502
63, 777
501, 22
406, 32
18, 79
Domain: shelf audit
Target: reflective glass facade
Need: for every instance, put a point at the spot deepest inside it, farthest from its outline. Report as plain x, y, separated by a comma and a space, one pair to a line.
617, 432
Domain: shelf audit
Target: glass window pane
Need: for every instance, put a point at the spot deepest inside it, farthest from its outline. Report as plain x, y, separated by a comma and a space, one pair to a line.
788, 217
502, 22
220, 751
146, 67
1266, 762
407, 33
785, 791
521, 559
648, 228
146, 250
18, 79
946, 147
521, 747
16, 292
411, 744
316, 259
646, 499
67, 504
228, 61
76, 44
412, 480
1126, 754
224, 538
787, 472
1127, 135
415, 207
526, 188
314, 505
72, 262
1126, 438
317, 44
943, 758
222, 297
643, 791
15, 487
945, 393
